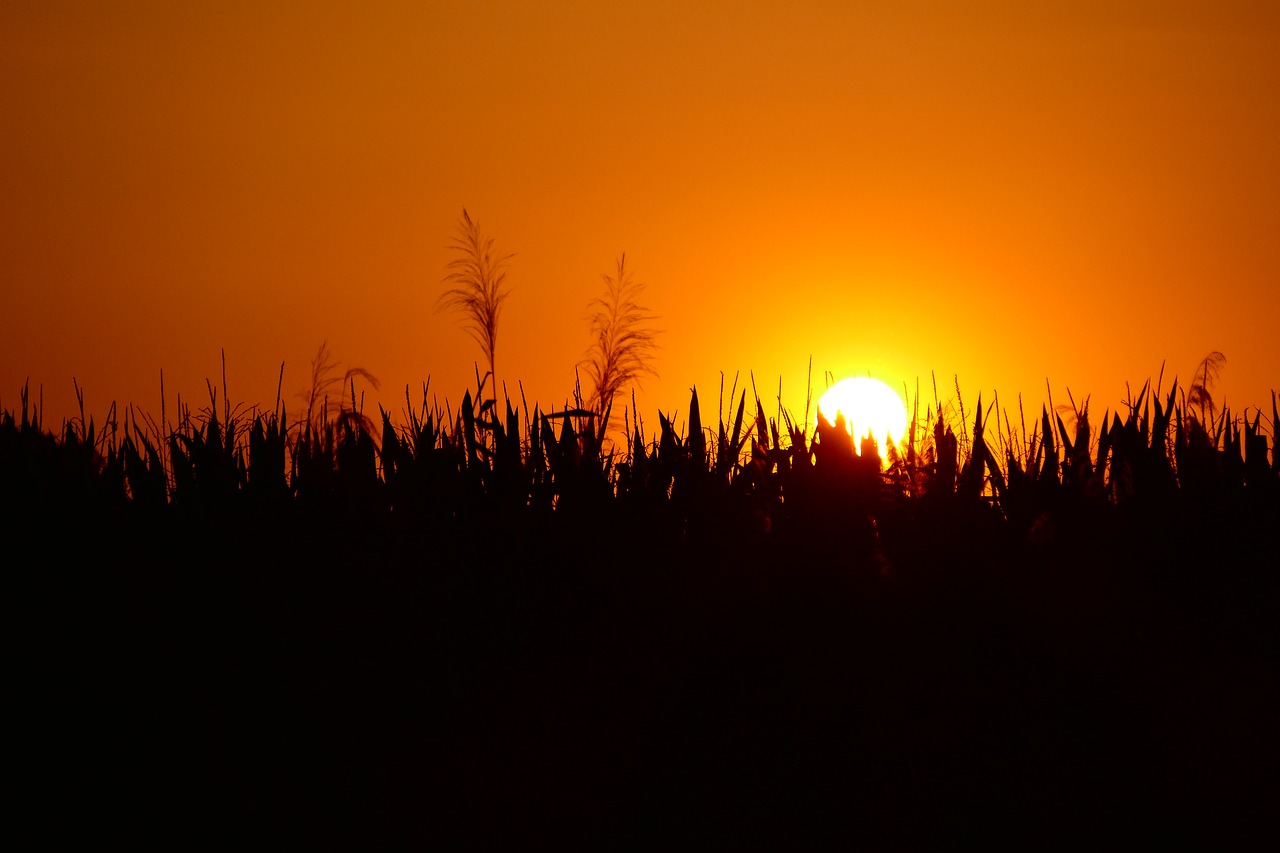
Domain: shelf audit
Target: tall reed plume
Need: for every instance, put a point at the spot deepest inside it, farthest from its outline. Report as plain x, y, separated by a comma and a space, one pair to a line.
623, 344
477, 276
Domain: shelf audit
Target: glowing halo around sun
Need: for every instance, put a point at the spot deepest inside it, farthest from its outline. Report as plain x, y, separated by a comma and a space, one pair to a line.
868, 406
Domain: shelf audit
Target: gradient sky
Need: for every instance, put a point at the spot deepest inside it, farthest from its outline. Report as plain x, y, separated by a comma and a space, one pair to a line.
974, 189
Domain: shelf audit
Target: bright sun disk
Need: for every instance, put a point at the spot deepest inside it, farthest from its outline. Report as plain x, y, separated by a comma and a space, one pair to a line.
868, 406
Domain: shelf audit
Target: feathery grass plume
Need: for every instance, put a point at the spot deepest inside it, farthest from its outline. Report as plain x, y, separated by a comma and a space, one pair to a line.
477, 275
623, 344
1199, 395
326, 382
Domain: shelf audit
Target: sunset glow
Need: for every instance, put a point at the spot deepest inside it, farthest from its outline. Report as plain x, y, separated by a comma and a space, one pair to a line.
187, 179
869, 407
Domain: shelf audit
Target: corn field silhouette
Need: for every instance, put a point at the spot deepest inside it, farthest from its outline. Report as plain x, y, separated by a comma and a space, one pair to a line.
459, 628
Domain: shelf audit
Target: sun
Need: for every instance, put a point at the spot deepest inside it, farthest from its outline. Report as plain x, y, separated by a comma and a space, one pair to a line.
868, 406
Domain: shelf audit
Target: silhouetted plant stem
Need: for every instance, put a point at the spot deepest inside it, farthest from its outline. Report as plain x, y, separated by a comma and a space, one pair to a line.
623, 344
477, 276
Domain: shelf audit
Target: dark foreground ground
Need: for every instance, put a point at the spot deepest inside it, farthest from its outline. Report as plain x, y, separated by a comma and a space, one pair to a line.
607, 683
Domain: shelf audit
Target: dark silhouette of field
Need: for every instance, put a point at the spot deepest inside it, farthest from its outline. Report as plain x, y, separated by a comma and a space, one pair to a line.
451, 637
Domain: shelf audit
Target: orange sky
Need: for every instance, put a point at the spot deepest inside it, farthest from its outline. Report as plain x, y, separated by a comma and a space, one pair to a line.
967, 188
